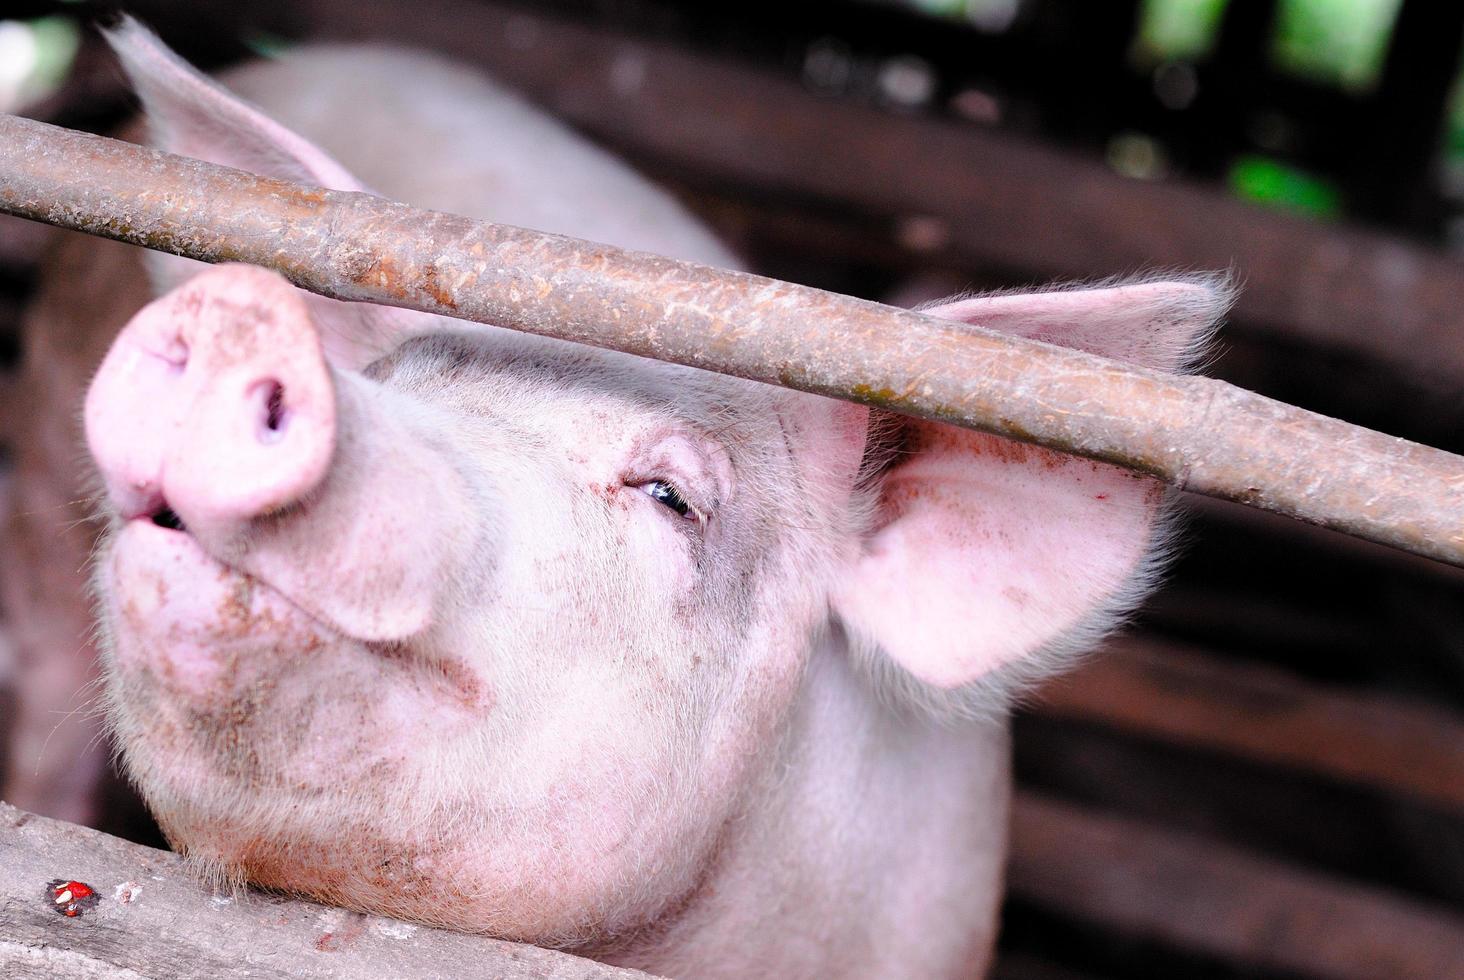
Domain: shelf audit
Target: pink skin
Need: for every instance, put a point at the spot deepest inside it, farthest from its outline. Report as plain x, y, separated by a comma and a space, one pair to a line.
466, 570
252, 651
195, 373
239, 404
439, 640
237, 429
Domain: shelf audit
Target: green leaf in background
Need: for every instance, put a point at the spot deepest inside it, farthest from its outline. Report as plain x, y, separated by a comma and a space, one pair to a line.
988, 15
1279, 185
35, 57
1453, 148
1340, 42
1178, 30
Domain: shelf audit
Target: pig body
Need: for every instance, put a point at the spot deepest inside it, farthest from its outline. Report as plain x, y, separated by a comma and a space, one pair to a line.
556, 644
56, 750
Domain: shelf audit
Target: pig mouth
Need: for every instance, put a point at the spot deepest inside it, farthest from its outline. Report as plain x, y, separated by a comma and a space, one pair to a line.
204, 627
186, 616
169, 519
218, 677
156, 556
159, 553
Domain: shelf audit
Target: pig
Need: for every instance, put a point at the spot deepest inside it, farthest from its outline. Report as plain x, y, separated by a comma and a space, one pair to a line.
521, 638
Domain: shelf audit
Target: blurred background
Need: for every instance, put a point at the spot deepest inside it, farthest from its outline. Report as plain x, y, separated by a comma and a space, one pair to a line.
1266, 777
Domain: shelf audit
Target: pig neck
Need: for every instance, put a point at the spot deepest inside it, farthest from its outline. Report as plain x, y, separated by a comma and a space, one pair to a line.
872, 846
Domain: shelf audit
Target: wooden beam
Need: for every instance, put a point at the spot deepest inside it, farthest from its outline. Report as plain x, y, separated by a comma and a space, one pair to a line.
1201, 895
1022, 966
153, 919
1178, 695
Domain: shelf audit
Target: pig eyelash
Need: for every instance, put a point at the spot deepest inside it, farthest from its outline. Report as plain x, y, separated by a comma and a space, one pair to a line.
666, 494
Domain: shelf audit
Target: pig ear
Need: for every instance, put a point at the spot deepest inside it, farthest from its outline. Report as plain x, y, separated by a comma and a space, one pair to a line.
988, 559
1157, 323
190, 114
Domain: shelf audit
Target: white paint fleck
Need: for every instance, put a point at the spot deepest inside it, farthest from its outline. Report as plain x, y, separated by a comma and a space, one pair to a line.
126, 893
393, 929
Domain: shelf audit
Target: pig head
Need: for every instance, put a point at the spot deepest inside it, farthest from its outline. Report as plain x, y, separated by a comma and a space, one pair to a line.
561, 645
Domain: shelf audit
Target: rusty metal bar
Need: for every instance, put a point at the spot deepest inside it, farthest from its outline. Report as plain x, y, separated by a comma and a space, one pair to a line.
1195, 433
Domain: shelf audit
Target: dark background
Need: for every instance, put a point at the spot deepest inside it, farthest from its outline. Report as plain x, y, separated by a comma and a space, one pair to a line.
1266, 777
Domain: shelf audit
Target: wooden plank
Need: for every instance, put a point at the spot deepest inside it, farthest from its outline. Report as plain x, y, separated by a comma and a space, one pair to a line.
153, 919
1168, 692
1024, 966
1198, 894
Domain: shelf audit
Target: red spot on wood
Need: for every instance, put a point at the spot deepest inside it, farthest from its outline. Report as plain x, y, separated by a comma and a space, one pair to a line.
69, 897
76, 888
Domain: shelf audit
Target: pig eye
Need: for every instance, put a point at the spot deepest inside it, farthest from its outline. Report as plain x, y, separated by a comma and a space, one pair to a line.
664, 493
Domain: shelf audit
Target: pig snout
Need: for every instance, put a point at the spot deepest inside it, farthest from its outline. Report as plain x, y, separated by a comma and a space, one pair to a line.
216, 413
214, 404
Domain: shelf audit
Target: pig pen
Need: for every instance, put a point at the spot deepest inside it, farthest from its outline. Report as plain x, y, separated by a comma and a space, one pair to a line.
1266, 776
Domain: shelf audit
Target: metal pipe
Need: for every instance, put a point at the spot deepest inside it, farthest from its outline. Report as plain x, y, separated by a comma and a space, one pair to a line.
1194, 433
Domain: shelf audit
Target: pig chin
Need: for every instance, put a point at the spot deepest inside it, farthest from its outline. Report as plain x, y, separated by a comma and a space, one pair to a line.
249, 725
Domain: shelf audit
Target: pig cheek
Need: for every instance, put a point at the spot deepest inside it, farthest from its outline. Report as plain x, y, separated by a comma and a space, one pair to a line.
190, 626
222, 674
206, 708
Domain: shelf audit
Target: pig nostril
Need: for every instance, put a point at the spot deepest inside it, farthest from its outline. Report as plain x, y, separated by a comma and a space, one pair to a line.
168, 519
275, 415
